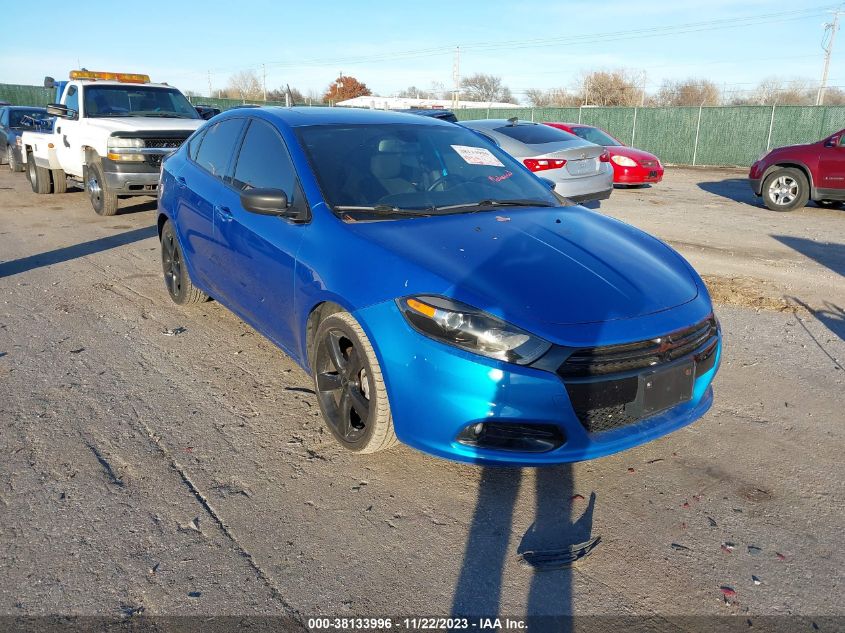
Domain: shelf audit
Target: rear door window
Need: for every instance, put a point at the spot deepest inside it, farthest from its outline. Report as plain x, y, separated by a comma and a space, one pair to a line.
194, 145
535, 134
218, 145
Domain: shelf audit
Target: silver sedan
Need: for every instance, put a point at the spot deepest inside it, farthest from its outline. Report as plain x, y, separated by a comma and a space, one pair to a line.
580, 170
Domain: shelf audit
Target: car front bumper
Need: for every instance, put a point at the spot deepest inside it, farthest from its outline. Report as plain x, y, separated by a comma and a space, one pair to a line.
436, 391
638, 175
131, 179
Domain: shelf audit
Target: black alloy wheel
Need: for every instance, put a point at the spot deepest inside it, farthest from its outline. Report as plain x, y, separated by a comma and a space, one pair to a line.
344, 386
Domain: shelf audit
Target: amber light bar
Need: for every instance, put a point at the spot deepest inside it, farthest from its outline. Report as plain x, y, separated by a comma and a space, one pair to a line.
133, 78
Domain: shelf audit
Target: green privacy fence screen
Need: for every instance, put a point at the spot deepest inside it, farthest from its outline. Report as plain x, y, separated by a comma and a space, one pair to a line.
719, 135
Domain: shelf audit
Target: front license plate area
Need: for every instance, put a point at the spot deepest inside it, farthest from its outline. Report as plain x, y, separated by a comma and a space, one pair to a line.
665, 388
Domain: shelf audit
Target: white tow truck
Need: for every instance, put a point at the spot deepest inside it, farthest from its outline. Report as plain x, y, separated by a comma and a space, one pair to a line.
111, 132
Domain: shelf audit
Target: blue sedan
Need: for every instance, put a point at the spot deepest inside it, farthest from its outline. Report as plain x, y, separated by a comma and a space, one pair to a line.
436, 290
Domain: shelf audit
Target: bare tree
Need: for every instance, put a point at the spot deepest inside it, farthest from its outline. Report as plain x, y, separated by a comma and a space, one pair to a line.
554, 97
481, 87
278, 94
610, 88
774, 91
244, 85
689, 92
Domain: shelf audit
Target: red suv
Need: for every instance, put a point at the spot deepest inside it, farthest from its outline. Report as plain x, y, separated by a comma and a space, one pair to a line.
788, 176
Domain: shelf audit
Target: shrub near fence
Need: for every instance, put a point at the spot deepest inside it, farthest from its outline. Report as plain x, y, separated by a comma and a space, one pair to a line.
718, 135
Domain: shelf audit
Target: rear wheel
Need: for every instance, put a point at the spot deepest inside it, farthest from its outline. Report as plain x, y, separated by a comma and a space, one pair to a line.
39, 177
59, 180
12, 159
103, 200
350, 386
176, 278
786, 189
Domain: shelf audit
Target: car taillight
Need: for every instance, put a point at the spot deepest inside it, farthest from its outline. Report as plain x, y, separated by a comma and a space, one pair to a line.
542, 164
605, 157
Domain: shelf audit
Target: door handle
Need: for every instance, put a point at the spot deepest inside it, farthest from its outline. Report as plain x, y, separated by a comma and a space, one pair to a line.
181, 180
224, 213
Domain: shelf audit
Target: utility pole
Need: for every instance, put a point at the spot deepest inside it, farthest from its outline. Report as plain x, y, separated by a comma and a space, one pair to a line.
456, 77
264, 80
832, 27
210, 93
642, 90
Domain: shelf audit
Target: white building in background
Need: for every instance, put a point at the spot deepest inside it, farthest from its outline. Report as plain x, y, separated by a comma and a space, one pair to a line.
402, 103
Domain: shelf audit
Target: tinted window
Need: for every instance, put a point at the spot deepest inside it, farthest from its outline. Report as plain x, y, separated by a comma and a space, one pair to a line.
16, 116
194, 145
217, 146
413, 166
534, 134
263, 160
72, 99
595, 135
4, 118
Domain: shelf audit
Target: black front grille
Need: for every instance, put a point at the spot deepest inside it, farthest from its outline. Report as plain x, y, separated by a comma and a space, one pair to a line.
161, 143
603, 382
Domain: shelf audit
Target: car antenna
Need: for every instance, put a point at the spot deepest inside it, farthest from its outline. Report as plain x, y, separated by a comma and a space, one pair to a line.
288, 96
513, 120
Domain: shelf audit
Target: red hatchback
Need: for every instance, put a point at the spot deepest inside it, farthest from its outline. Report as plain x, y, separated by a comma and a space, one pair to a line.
631, 166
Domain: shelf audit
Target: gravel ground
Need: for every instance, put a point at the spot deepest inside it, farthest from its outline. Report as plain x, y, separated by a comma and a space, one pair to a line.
162, 460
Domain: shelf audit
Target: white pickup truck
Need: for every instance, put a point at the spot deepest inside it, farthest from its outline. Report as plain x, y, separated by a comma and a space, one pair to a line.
111, 132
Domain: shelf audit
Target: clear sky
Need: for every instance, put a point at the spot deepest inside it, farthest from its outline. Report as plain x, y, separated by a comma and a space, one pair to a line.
391, 45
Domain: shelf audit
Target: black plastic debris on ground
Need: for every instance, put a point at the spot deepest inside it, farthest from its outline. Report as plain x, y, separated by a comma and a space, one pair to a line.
560, 558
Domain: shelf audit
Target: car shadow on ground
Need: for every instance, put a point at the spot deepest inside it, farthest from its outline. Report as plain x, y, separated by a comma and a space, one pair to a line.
67, 253
828, 254
736, 189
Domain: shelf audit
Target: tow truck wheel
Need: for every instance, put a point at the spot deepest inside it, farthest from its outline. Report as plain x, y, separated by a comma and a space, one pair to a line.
59, 181
103, 200
39, 177
12, 159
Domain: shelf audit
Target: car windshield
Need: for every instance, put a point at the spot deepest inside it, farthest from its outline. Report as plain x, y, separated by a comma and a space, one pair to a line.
19, 118
534, 133
427, 169
597, 136
111, 101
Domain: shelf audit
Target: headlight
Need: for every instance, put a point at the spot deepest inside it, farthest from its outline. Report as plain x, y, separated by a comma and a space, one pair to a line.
471, 329
623, 161
123, 143
120, 149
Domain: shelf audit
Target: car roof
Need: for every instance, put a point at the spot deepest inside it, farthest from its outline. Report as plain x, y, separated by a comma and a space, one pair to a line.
308, 115
490, 124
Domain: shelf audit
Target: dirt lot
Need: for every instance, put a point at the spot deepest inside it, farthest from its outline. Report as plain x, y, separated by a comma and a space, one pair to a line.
162, 460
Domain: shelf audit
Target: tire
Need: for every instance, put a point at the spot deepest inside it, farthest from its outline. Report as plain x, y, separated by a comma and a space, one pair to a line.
59, 181
103, 200
786, 189
176, 279
350, 386
12, 160
830, 204
39, 177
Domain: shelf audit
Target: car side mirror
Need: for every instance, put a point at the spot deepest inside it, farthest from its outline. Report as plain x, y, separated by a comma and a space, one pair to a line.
265, 201
548, 182
59, 110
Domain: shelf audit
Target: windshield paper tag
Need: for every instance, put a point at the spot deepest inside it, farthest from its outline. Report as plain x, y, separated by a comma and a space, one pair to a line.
477, 155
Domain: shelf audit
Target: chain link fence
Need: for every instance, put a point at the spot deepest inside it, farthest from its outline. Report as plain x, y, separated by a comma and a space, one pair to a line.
718, 135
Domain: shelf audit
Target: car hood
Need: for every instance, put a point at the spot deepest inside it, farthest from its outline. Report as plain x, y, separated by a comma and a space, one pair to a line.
144, 124
631, 152
564, 265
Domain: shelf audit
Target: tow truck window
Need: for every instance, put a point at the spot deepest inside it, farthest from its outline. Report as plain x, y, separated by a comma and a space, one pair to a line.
72, 99
115, 101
